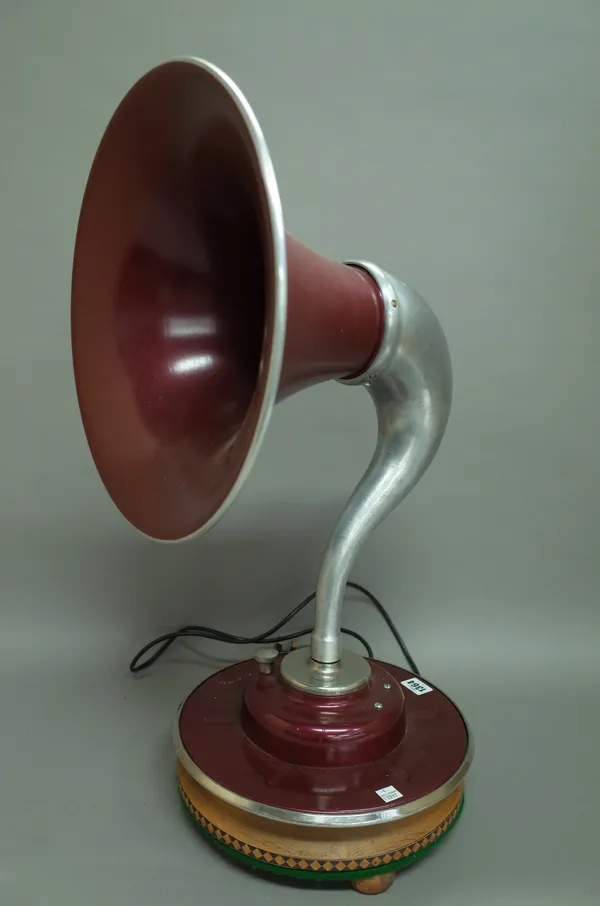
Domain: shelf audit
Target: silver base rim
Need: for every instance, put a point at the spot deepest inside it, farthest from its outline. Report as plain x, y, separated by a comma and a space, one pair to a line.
314, 819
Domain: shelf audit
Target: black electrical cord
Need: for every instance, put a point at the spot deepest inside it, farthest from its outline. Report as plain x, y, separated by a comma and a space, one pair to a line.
163, 642
369, 594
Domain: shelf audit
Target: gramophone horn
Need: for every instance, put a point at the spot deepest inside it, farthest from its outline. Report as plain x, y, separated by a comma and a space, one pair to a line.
193, 312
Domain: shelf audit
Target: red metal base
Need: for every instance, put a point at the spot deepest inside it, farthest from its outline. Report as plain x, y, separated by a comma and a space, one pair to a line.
258, 738
324, 731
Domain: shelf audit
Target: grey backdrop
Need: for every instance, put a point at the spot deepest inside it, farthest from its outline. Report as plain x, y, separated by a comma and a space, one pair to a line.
457, 144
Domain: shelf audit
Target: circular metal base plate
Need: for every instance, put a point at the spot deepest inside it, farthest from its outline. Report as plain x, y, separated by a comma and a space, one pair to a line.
428, 765
350, 673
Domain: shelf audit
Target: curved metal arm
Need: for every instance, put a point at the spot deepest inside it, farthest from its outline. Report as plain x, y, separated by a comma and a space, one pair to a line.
410, 383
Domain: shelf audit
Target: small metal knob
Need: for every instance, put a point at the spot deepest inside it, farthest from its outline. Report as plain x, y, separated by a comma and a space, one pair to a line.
265, 658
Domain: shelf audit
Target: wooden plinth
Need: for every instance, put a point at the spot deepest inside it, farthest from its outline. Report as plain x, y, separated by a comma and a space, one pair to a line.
367, 857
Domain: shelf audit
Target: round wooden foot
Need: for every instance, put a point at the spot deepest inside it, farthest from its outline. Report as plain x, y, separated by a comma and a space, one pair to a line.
375, 884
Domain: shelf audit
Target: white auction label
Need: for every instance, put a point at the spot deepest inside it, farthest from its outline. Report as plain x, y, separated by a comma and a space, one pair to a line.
416, 685
389, 793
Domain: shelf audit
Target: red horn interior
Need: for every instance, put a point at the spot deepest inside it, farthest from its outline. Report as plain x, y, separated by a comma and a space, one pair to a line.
175, 321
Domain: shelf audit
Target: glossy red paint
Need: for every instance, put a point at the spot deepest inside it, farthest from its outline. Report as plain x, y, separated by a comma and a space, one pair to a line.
324, 731
173, 303
334, 321
212, 731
